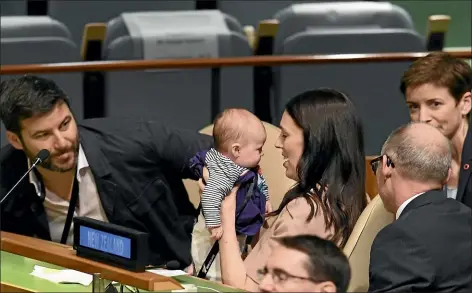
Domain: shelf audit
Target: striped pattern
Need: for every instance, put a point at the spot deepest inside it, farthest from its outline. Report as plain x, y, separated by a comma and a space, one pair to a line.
223, 175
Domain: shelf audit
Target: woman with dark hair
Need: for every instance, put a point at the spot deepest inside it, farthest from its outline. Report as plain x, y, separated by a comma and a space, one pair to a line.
332, 155
322, 141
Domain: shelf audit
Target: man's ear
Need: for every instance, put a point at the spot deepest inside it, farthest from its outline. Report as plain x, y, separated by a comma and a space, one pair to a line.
236, 149
327, 286
449, 173
14, 140
466, 103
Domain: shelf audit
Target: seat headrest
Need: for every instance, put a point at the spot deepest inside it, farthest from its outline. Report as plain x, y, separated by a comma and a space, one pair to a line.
384, 14
32, 26
160, 34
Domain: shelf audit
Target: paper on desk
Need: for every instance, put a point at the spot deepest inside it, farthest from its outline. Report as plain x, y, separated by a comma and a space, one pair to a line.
167, 273
62, 276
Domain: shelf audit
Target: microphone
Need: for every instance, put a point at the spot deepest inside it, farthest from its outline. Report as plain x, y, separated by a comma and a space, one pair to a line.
40, 157
170, 265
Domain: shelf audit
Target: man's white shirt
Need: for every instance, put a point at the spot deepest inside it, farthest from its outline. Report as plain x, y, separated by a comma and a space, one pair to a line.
405, 203
89, 204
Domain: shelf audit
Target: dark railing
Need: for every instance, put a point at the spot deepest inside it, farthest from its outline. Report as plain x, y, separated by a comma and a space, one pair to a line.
215, 64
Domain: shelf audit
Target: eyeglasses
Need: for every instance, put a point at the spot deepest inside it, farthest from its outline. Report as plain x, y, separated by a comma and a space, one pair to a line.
280, 276
376, 162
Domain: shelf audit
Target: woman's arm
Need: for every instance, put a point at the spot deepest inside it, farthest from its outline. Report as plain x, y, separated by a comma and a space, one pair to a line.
291, 222
233, 271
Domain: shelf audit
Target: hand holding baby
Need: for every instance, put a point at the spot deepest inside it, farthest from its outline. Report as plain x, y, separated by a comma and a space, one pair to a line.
216, 232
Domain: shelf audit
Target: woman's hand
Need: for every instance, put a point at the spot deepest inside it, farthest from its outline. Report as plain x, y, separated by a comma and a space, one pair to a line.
233, 271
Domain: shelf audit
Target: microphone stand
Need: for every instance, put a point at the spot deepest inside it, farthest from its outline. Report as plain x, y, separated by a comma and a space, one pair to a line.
37, 161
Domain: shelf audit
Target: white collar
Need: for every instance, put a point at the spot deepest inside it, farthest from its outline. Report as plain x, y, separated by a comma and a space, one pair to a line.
81, 164
81, 161
405, 203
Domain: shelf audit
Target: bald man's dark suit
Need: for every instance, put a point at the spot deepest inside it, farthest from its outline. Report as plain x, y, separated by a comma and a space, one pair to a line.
464, 189
427, 249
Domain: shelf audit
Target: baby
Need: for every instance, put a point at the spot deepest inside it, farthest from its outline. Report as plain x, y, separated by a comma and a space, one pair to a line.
239, 137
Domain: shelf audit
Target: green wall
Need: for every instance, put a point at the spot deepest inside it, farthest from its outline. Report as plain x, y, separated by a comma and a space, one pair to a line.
460, 27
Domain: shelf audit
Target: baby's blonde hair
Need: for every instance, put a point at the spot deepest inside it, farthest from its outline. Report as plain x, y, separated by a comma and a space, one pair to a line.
232, 125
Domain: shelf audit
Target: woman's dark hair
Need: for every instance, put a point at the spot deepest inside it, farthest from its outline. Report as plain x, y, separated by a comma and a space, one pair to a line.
331, 169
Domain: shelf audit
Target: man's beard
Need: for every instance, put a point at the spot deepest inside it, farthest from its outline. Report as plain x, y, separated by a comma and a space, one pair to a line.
48, 164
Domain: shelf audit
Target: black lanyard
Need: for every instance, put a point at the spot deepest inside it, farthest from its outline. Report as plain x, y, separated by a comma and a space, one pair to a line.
72, 205
70, 214
216, 248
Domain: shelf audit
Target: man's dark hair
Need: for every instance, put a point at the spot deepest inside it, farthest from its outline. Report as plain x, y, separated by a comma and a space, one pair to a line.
326, 261
25, 97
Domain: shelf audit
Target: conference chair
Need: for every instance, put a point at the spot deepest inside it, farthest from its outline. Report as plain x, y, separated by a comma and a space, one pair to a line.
357, 249
355, 27
254, 11
37, 40
373, 87
76, 14
299, 17
181, 97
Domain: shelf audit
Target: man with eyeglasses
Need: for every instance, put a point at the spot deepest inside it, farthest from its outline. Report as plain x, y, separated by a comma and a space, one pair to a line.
305, 263
428, 247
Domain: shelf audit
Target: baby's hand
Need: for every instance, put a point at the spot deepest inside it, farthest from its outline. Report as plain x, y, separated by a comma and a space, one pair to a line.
268, 207
216, 232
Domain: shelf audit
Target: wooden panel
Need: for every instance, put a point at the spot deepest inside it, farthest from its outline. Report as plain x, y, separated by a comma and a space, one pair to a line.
5, 287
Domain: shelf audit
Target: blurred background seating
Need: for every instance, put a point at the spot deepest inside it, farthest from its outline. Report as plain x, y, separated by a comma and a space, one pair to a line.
50, 31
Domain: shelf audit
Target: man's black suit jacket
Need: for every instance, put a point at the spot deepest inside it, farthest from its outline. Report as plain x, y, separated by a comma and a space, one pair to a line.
138, 168
464, 189
427, 249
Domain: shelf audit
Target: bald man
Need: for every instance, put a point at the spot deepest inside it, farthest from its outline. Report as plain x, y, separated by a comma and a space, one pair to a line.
428, 247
